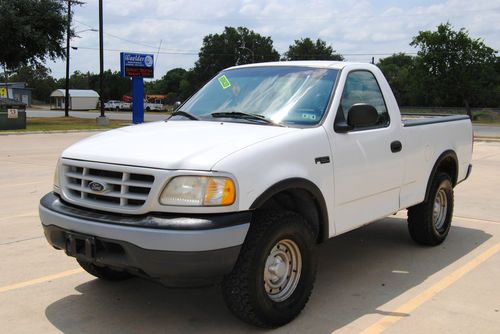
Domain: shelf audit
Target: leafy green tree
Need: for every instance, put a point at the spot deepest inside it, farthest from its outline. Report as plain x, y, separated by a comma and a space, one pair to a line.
173, 79
186, 89
307, 49
38, 78
456, 68
398, 70
31, 31
79, 80
169, 83
234, 46
116, 86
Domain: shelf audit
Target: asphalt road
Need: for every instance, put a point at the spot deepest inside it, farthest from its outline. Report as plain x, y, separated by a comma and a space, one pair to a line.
486, 130
479, 130
370, 280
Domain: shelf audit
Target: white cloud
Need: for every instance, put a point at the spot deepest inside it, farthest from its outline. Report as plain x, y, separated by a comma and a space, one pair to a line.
351, 27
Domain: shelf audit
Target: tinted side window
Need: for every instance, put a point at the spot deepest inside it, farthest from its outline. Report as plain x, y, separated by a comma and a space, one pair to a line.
362, 87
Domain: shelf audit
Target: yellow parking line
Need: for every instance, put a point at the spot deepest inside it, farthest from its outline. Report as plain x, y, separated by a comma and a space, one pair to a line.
40, 280
415, 302
31, 214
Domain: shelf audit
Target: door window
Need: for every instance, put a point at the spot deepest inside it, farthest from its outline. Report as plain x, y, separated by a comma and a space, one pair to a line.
362, 87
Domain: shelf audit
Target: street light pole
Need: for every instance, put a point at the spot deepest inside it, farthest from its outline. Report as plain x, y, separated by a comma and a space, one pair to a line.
101, 56
101, 120
68, 33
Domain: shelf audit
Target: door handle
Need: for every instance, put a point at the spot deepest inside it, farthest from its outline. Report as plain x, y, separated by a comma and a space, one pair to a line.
396, 146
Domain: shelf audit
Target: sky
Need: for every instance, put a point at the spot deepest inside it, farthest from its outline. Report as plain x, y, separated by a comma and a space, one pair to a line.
173, 30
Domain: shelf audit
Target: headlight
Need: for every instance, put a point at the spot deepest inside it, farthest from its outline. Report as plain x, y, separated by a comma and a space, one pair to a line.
199, 191
56, 178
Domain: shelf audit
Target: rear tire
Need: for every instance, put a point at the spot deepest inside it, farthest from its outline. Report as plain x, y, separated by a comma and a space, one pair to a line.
429, 222
104, 273
275, 271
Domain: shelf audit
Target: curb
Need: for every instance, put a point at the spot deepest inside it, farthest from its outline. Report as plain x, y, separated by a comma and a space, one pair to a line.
8, 133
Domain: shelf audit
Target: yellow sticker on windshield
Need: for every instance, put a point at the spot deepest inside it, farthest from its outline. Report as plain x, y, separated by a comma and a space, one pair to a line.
224, 82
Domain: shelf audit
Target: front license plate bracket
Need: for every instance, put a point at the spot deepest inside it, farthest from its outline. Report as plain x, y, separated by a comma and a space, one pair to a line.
81, 246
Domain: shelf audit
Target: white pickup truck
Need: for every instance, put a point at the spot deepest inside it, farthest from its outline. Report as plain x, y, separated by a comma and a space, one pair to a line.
117, 105
244, 180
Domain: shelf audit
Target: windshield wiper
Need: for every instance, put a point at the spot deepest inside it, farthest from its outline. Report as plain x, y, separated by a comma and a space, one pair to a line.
185, 114
244, 115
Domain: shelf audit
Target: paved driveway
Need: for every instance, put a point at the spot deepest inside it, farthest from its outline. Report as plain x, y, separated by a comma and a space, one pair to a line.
369, 280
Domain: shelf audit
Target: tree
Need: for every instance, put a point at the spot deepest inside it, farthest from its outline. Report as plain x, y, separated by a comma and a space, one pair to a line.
306, 49
398, 70
455, 67
116, 86
169, 83
31, 31
79, 80
38, 78
234, 46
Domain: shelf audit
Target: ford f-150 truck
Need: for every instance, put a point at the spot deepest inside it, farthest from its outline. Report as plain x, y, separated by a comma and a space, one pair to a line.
248, 176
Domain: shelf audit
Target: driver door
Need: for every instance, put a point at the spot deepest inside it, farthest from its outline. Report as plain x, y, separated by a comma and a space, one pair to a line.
367, 173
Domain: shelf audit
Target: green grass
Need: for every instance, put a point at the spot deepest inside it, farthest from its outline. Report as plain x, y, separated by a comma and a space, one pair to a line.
66, 123
163, 112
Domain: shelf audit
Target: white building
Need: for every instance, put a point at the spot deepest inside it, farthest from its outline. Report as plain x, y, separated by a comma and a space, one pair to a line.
79, 99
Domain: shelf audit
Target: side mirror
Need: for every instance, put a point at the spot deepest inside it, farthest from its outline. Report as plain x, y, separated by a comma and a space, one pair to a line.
362, 115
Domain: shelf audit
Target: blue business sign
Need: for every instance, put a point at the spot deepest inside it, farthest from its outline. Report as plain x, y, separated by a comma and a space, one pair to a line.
136, 65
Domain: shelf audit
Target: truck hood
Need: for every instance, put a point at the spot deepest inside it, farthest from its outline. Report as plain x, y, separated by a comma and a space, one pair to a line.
193, 145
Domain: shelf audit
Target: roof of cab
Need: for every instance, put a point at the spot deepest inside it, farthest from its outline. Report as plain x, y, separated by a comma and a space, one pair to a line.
305, 63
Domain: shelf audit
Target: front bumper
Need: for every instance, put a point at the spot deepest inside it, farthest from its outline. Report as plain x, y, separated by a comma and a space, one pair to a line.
176, 250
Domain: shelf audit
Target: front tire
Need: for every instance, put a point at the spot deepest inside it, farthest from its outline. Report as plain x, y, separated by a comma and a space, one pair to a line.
430, 221
104, 273
275, 271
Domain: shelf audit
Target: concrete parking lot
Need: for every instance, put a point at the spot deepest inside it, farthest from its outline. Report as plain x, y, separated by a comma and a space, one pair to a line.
371, 280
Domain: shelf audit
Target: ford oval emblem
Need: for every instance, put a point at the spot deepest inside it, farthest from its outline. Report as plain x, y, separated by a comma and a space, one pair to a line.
97, 186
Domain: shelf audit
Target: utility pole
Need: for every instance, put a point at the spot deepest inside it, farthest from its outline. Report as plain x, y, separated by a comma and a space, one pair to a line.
101, 120
68, 34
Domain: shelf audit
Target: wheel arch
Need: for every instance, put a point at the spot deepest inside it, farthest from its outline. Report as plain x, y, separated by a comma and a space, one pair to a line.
447, 162
301, 196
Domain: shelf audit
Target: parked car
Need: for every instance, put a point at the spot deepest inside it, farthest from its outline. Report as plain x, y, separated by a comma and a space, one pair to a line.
248, 176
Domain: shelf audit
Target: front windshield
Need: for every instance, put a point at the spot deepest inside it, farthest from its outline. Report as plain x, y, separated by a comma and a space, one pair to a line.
287, 95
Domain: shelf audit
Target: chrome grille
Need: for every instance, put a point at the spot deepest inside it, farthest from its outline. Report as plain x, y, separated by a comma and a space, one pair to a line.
120, 189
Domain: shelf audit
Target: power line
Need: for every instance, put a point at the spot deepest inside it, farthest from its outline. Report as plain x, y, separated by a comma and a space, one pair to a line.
118, 37
229, 54
141, 51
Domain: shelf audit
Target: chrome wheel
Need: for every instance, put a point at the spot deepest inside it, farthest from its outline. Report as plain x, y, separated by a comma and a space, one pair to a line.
282, 270
440, 209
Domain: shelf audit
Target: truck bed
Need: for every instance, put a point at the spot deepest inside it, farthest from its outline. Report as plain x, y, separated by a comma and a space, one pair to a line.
421, 119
